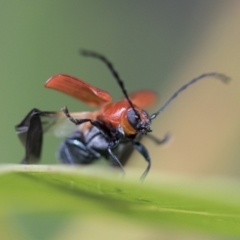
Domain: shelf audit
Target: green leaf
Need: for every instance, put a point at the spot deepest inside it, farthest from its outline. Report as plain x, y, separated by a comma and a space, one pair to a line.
46, 202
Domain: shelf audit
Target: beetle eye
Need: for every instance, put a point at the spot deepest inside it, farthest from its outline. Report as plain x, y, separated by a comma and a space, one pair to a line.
132, 118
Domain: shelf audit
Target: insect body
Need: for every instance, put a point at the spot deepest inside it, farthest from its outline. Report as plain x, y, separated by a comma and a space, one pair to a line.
112, 131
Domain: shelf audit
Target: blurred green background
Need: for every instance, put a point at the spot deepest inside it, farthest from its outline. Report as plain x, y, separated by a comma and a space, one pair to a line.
153, 44
158, 45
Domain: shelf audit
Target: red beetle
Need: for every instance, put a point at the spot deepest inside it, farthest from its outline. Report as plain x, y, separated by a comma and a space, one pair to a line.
112, 131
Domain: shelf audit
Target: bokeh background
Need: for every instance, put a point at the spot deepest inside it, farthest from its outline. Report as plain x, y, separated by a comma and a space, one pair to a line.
153, 44
158, 45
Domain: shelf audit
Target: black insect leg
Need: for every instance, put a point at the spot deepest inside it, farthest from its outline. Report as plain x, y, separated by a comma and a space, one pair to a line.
80, 121
146, 156
114, 158
75, 121
157, 140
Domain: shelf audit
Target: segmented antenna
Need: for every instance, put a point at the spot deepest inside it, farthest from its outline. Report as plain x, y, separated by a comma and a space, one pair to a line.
114, 73
220, 76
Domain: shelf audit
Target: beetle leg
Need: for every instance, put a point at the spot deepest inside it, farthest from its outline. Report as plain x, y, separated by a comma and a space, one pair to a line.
116, 162
159, 141
75, 121
81, 121
146, 156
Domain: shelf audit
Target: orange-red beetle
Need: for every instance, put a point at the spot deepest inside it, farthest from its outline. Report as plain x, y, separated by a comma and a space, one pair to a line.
112, 131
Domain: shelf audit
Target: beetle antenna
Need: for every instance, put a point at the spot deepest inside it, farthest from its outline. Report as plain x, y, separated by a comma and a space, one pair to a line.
220, 76
87, 53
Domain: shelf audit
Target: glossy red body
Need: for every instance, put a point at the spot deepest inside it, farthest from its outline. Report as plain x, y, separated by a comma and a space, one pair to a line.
116, 115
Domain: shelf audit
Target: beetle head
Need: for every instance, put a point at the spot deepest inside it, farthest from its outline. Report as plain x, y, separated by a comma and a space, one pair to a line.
141, 122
